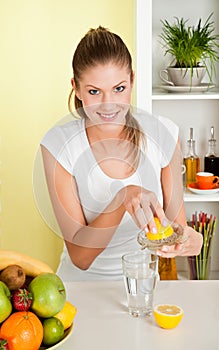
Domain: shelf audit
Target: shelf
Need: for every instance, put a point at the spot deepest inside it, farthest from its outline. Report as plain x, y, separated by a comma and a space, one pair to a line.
191, 197
160, 94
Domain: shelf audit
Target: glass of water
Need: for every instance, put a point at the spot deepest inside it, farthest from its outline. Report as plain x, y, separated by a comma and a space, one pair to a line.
140, 270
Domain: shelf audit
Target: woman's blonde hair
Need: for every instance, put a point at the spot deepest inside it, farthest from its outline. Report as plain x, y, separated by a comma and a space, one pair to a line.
100, 46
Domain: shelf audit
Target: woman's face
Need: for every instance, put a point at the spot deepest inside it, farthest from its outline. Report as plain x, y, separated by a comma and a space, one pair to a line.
105, 92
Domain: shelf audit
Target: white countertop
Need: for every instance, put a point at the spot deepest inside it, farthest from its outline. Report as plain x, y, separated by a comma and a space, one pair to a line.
103, 323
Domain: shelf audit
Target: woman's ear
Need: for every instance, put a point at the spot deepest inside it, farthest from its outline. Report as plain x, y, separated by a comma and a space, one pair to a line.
74, 88
73, 83
132, 78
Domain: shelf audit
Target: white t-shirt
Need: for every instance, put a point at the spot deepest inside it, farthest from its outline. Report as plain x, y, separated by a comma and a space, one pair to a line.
68, 143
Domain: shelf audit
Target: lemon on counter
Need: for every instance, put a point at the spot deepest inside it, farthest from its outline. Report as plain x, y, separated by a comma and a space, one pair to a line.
168, 316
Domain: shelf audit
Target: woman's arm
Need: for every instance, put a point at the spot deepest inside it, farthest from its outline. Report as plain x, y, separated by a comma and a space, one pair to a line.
86, 241
172, 186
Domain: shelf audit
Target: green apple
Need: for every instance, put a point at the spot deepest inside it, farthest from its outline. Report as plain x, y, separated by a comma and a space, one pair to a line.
5, 302
48, 293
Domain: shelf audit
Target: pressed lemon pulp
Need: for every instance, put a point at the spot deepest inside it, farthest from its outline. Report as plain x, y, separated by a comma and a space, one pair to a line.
162, 231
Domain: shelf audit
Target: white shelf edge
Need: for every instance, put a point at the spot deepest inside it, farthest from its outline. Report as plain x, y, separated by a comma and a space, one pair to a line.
159, 94
191, 197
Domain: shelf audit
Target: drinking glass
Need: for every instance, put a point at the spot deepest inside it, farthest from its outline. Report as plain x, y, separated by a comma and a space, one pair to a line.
140, 270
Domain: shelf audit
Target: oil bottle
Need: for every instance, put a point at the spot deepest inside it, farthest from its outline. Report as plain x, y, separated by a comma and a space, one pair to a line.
211, 160
191, 161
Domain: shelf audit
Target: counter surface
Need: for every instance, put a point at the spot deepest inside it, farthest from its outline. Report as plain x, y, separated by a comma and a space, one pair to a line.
103, 323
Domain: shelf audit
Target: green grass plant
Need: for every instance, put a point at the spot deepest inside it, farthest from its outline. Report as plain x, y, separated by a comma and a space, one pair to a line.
191, 46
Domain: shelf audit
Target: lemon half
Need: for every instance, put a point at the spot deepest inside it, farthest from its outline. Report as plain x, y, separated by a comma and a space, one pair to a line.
162, 231
168, 316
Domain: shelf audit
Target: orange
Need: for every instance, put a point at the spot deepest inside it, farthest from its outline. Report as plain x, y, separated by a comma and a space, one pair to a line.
168, 316
23, 330
162, 231
67, 314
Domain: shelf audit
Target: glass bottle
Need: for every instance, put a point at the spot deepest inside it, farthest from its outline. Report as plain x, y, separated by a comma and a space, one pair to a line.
211, 160
191, 161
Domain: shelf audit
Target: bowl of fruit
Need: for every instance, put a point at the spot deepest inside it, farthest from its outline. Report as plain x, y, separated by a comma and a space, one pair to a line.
34, 311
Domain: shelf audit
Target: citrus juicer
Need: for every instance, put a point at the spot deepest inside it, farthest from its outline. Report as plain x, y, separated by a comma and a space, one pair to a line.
166, 235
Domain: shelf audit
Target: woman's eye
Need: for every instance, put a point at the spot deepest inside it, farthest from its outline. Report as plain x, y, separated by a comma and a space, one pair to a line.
94, 92
120, 88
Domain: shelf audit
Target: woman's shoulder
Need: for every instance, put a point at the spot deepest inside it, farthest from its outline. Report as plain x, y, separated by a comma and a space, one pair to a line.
66, 128
154, 124
157, 127
160, 132
168, 123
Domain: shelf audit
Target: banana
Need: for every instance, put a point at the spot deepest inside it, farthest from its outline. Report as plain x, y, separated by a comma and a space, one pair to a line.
31, 266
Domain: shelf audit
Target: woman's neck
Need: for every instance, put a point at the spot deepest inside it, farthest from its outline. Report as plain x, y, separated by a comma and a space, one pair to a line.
114, 153
102, 132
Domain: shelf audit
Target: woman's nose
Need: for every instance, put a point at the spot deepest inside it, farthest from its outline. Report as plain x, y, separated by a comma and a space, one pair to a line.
107, 106
107, 102
107, 97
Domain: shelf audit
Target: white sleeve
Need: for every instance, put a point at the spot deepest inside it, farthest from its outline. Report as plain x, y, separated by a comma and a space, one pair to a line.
168, 137
56, 143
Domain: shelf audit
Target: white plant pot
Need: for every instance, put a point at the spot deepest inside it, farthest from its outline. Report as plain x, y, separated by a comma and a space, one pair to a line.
183, 76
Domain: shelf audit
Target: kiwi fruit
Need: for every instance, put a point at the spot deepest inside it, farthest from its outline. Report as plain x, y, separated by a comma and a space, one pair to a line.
13, 276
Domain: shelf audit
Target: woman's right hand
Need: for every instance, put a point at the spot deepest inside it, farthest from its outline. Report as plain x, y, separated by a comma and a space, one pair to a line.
143, 206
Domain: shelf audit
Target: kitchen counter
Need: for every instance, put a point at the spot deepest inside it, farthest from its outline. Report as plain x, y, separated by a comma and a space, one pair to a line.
103, 323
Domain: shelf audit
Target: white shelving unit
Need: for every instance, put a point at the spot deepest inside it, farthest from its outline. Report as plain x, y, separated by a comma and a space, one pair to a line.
197, 110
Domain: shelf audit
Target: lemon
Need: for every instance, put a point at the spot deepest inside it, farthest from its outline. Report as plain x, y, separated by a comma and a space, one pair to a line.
168, 316
162, 231
53, 331
67, 314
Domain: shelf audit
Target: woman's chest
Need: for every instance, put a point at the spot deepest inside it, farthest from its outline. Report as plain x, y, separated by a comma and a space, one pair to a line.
116, 159
96, 189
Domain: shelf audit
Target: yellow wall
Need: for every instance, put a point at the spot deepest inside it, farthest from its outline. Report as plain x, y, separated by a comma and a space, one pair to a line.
37, 39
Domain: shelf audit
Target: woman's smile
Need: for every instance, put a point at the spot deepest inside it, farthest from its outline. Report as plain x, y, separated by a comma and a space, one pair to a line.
108, 116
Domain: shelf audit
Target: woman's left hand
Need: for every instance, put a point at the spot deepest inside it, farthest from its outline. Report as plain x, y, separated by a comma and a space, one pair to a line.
191, 246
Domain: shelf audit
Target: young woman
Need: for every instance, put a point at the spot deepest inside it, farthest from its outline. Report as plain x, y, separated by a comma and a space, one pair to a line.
111, 170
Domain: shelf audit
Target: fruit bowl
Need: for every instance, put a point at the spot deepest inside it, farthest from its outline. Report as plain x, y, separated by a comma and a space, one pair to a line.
67, 334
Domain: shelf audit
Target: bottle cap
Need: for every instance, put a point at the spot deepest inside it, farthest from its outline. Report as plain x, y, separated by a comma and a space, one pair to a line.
191, 140
212, 139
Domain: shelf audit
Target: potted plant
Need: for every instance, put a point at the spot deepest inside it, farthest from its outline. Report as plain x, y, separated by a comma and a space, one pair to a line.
194, 49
